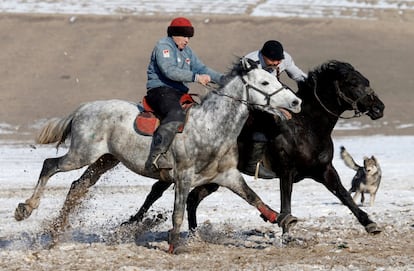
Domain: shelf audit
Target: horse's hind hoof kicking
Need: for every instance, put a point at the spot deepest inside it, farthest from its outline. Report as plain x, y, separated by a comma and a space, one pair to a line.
131, 221
22, 211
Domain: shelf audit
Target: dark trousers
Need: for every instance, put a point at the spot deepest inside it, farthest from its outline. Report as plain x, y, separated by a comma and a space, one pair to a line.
166, 103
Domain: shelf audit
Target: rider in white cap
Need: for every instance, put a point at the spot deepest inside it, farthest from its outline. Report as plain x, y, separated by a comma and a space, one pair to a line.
275, 60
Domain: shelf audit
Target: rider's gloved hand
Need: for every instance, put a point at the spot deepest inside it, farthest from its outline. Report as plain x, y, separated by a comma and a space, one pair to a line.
203, 79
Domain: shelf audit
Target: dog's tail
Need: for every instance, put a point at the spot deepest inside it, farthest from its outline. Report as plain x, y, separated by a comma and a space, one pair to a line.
348, 160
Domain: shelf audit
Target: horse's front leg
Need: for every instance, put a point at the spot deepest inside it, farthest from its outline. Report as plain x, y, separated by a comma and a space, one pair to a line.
24, 210
234, 181
285, 220
182, 189
332, 181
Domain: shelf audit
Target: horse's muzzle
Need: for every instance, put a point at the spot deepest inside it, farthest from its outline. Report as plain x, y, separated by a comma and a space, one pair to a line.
375, 116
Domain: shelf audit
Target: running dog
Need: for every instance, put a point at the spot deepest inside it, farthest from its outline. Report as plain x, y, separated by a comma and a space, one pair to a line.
367, 178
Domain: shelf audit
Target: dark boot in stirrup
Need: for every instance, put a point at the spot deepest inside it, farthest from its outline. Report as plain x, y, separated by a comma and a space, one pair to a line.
161, 141
255, 166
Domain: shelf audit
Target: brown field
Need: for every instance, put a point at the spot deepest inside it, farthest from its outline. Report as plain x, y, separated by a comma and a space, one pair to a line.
50, 65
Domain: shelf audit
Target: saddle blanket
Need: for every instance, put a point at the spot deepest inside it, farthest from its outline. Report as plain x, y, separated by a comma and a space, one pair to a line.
147, 122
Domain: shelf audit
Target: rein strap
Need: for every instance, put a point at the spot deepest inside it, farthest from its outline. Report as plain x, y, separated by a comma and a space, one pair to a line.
341, 95
248, 87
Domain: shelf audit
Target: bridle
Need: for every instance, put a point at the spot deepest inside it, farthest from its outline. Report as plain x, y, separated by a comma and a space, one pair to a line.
247, 87
341, 96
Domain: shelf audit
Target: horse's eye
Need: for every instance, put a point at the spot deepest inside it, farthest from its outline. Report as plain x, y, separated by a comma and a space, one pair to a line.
265, 83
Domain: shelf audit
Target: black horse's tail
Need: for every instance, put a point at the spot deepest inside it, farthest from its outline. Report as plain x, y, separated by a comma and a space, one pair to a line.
55, 130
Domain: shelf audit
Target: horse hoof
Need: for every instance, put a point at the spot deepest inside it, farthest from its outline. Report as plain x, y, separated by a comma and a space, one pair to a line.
126, 223
130, 222
372, 228
23, 211
288, 222
287, 239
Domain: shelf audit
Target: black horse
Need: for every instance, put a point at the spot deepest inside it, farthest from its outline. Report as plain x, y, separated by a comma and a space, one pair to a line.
301, 147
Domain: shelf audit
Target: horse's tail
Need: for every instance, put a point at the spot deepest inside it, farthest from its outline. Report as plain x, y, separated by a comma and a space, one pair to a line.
55, 130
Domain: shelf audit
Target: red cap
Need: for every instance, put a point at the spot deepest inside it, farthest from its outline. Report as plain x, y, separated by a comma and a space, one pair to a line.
180, 21
180, 27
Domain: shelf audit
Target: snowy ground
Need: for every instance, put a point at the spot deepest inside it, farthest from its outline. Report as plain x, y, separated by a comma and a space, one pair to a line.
226, 220
21, 165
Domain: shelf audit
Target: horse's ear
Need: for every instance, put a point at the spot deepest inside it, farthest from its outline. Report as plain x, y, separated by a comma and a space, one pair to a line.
248, 64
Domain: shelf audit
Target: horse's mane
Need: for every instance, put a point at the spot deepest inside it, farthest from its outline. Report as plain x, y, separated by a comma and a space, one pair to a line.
328, 71
334, 68
235, 70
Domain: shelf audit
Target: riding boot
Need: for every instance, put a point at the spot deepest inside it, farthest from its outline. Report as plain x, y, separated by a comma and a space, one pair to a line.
254, 163
158, 157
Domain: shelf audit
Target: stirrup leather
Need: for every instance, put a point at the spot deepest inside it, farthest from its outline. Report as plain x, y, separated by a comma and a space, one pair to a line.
165, 161
256, 172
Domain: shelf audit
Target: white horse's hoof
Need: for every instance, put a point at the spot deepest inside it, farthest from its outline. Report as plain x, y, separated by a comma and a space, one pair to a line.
23, 211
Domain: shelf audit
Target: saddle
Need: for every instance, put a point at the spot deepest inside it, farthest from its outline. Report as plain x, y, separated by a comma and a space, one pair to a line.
147, 122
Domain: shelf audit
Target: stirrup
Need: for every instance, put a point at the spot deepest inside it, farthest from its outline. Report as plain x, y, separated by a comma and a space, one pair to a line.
161, 162
257, 170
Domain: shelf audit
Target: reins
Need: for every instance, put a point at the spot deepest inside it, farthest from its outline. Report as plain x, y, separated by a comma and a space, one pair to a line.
247, 87
341, 95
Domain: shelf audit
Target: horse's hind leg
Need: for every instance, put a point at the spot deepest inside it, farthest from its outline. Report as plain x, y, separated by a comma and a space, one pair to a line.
331, 181
80, 187
156, 192
70, 161
50, 167
194, 198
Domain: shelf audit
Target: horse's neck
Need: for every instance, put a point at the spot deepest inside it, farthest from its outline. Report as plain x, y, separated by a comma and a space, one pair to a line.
315, 109
223, 109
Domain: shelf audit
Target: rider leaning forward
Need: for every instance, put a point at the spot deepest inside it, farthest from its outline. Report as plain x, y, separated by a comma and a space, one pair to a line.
275, 60
172, 66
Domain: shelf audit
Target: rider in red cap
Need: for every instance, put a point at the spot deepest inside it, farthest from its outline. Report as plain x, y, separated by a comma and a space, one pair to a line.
172, 66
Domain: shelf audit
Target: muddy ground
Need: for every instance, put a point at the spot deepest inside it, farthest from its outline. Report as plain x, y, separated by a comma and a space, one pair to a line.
50, 65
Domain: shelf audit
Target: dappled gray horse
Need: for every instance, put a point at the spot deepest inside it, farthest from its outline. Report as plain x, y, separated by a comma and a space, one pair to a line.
102, 135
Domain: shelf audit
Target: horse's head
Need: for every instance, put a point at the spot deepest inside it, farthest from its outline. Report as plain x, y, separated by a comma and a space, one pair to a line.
266, 93
352, 89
